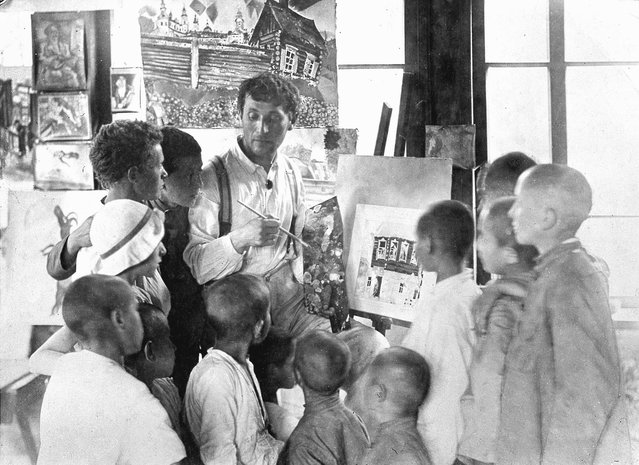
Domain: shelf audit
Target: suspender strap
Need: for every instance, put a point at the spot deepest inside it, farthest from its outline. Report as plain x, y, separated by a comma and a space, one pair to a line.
294, 199
226, 208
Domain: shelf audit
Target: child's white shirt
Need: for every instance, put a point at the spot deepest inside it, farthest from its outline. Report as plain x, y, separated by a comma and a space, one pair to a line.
443, 334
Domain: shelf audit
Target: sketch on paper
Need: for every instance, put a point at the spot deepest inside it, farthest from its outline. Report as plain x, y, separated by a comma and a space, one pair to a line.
59, 51
63, 166
39, 219
64, 116
382, 275
211, 46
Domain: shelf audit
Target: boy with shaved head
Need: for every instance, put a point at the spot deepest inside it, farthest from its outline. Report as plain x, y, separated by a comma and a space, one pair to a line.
388, 397
562, 399
223, 402
94, 412
328, 433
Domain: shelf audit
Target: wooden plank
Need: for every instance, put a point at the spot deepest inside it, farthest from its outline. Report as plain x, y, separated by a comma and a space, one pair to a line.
382, 131
408, 81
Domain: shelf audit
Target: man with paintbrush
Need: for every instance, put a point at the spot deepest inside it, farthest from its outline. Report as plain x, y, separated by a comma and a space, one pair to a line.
253, 204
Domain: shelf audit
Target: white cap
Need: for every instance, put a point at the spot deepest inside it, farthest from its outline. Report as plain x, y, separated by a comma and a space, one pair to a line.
125, 233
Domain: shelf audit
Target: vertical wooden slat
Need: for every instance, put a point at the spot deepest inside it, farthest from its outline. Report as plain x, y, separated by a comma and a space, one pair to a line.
382, 131
559, 138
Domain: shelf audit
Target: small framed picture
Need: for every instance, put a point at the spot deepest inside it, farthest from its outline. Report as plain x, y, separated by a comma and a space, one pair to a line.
58, 47
126, 89
63, 166
64, 116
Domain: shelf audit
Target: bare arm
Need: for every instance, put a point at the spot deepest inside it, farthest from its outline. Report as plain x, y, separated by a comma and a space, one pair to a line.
43, 360
61, 259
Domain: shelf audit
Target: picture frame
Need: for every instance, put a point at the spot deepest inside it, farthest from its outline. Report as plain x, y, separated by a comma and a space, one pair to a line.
59, 52
126, 90
63, 116
382, 274
63, 166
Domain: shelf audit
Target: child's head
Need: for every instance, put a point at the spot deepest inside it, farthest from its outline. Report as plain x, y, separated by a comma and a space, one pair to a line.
498, 179
497, 246
364, 343
552, 202
157, 356
445, 231
238, 308
273, 360
322, 362
183, 164
127, 235
394, 385
102, 309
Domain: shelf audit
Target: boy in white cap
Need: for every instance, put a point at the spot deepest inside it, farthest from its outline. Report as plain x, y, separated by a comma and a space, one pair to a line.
126, 237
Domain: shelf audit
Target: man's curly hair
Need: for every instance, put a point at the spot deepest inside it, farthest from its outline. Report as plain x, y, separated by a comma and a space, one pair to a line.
269, 87
119, 146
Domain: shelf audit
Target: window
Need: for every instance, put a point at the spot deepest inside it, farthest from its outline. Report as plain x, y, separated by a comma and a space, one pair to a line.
370, 65
562, 85
289, 59
310, 66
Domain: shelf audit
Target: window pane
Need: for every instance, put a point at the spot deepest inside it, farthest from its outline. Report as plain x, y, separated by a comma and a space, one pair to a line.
361, 94
516, 31
370, 32
602, 30
15, 39
518, 113
615, 241
603, 140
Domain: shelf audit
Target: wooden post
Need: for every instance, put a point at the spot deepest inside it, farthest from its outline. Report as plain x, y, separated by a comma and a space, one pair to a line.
382, 132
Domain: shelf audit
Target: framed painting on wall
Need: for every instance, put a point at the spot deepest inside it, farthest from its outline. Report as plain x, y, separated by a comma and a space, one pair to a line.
58, 48
126, 89
63, 167
64, 116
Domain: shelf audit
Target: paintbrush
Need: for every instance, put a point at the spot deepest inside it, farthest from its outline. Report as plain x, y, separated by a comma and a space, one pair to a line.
292, 236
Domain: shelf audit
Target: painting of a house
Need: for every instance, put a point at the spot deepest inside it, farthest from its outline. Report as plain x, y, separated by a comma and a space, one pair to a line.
195, 57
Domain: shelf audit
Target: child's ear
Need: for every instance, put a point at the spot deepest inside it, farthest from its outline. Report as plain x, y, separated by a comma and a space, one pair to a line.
298, 376
116, 319
149, 353
257, 331
132, 174
551, 218
380, 392
511, 256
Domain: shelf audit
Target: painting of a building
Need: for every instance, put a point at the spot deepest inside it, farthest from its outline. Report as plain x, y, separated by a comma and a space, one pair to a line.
297, 44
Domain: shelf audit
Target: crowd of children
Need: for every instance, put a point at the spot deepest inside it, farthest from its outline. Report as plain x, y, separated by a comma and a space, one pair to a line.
523, 371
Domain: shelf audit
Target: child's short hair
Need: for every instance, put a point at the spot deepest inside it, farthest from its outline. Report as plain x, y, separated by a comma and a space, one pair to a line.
406, 375
501, 226
274, 350
89, 302
154, 323
364, 343
499, 178
176, 145
564, 189
449, 224
235, 304
322, 361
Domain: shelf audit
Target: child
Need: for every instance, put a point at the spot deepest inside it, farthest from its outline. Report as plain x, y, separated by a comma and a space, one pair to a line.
394, 386
442, 331
128, 236
273, 363
223, 401
153, 364
562, 398
328, 433
500, 254
498, 179
364, 343
93, 411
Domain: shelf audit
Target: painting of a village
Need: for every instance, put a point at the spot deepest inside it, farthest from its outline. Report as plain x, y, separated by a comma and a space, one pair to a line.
196, 53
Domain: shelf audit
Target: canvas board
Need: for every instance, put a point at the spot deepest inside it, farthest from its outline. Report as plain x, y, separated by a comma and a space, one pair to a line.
37, 221
64, 116
456, 142
126, 89
382, 274
63, 166
404, 182
58, 47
